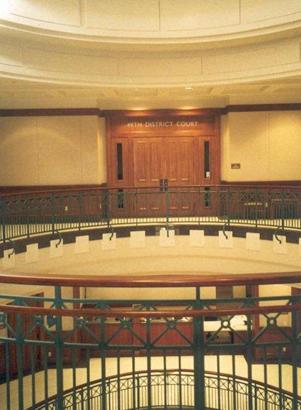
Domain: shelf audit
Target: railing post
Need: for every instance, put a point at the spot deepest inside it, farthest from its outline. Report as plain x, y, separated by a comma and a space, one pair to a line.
59, 349
80, 209
298, 216
249, 357
81, 399
52, 201
282, 210
198, 353
2, 213
27, 219
102, 347
149, 363
295, 354
167, 203
107, 206
256, 206
20, 361
138, 392
228, 206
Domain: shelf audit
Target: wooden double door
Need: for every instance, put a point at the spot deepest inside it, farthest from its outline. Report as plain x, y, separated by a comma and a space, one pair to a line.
165, 172
164, 156
167, 158
159, 165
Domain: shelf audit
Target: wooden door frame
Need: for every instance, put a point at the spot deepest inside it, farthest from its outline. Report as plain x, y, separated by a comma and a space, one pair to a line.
124, 126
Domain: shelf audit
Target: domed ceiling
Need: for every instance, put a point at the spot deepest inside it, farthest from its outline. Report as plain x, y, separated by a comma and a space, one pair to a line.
149, 53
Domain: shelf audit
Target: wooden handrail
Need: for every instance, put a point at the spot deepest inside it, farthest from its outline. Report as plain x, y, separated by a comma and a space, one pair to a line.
58, 190
154, 281
61, 190
130, 313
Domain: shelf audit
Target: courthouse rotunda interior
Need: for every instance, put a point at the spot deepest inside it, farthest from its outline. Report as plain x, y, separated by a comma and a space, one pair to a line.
150, 204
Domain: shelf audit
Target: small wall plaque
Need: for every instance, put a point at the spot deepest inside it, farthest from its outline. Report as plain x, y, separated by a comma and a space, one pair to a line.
235, 166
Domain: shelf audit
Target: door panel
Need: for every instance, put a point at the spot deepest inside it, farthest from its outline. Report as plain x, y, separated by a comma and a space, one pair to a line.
178, 154
141, 164
185, 164
171, 156
156, 161
180, 174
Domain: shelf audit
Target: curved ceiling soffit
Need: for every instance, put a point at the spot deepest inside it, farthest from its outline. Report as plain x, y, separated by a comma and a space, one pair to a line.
269, 61
221, 54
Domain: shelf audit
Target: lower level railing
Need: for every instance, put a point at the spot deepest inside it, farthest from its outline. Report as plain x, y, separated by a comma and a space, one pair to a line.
69, 350
33, 213
172, 390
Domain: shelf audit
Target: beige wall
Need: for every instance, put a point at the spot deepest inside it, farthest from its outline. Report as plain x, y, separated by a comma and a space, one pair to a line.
72, 149
265, 144
52, 150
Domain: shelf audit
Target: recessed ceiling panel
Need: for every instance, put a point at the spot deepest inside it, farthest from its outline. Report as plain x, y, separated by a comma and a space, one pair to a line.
121, 15
179, 15
65, 12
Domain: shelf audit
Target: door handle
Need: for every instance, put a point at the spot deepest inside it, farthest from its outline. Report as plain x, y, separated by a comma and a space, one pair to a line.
163, 185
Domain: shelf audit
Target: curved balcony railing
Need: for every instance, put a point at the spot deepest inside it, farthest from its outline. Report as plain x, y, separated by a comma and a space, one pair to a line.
62, 349
26, 214
172, 389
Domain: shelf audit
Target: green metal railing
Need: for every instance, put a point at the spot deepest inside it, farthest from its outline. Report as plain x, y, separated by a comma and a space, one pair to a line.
72, 352
33, 213
172, 390
49, 341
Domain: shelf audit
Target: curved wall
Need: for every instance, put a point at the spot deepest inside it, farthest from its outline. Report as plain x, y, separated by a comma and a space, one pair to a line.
52, 150
60, 150
265, 144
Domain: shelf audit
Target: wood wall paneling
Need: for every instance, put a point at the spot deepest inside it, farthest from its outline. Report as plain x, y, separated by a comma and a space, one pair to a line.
157, 161
142, 154
163, 145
